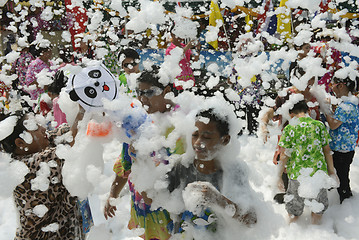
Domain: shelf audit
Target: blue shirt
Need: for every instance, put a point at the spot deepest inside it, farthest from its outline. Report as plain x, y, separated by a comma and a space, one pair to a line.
345, 136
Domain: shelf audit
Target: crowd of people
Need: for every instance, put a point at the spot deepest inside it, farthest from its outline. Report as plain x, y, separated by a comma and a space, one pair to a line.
318, 116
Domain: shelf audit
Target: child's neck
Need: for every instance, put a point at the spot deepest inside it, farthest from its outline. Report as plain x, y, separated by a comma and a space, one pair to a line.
206, 167
302, 114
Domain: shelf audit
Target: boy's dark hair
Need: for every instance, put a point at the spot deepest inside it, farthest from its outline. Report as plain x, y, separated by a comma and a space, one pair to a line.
221, 122
299, 47
129, 53
59, 82
152, 77
299, 107
8, 144
351, 85
44, 49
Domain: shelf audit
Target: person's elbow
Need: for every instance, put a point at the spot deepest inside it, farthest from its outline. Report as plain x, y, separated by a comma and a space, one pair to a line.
335, 124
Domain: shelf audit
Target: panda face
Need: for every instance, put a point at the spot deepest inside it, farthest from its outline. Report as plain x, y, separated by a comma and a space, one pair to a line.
93, 84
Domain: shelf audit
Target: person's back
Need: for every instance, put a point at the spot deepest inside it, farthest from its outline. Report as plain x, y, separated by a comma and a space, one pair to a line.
305, 137
305, 143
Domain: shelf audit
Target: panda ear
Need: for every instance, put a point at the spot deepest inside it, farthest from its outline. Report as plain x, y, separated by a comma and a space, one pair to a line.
73, 96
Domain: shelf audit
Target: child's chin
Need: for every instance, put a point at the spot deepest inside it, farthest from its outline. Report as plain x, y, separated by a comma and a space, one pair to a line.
203, 158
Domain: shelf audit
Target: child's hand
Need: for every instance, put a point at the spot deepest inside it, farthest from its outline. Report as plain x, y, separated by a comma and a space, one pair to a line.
210, 193
197, 196
334, 176
280, 185
192, 44
132, 153
109, 210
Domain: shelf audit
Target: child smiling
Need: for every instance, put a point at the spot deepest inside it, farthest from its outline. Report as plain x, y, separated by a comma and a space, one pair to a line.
202, 181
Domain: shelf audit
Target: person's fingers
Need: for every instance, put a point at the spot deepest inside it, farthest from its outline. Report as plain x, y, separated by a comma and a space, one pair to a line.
105, 214
112, 211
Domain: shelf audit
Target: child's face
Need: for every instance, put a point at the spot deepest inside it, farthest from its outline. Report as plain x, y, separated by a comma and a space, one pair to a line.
152, 98
176, 40
338, 89
206, 140
47, 54
304, 51
39, 137
130, 65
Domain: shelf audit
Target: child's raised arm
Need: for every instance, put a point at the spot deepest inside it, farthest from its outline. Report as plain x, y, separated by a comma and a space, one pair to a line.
116, 187
74, 127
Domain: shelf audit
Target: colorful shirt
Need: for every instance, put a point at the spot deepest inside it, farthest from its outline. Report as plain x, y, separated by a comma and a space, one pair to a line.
306, 141
154, 222
35, 67
3, 88
345, 136
20, 66
185, 64
111, 62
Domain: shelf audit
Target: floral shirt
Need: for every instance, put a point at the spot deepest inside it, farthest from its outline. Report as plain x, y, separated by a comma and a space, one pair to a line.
346, 135
35, 67
111, 63
306, 141
20, 66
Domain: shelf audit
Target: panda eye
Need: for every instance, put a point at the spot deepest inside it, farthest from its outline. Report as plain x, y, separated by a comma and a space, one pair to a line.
90, 92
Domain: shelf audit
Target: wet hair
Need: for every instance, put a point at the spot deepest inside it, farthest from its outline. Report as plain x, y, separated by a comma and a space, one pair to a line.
59, 81
350, 84
8, 144
41, 50
299, 47
129, 53
152, 77
299, 107
221, 121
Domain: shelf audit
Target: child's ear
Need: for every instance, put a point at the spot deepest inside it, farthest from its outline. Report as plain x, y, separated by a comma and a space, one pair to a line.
226, 139
20, 143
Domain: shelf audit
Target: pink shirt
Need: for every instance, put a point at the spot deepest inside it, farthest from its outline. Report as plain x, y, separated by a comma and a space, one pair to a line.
35, 67
59, 116
185, 64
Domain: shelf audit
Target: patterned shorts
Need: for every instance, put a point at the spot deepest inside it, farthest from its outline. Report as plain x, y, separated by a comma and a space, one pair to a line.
295, 204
